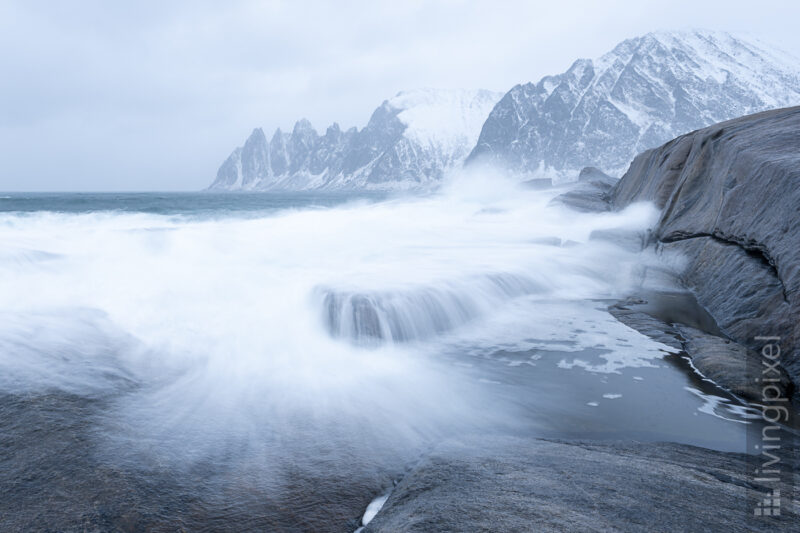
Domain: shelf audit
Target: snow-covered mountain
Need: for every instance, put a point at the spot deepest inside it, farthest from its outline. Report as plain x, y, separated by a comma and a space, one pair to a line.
410, 141
644, 92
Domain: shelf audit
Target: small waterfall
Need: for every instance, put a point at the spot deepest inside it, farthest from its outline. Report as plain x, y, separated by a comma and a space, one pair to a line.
369, 317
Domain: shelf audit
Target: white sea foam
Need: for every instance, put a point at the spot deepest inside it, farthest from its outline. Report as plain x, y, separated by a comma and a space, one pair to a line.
220, 332
373, 508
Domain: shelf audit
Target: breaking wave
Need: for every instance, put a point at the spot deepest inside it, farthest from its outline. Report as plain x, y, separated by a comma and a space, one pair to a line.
280, 335
421, 313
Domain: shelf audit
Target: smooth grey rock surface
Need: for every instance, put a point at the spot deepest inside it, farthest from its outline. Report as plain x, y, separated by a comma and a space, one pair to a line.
590, 193
729, 197
727, 363
516, 484
594, 174
644, 92
630, 313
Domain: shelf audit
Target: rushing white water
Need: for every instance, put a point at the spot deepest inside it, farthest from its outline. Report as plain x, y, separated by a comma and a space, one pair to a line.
276, 333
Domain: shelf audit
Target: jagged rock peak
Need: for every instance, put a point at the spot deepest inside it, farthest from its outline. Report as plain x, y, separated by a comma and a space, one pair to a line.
303, 126
410, 141
645, 91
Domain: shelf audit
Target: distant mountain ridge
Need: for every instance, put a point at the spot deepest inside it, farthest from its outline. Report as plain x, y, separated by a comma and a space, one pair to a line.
644, 92
410, 141
599, 113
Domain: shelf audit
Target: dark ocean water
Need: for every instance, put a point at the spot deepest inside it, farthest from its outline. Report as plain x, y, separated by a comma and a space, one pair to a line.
273, 362
197, 204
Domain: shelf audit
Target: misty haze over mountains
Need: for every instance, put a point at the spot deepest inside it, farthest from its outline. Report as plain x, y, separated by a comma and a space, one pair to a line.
410, 141
600, 112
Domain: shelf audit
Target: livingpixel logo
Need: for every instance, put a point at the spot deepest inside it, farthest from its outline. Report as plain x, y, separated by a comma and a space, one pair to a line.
774, 412
769, 506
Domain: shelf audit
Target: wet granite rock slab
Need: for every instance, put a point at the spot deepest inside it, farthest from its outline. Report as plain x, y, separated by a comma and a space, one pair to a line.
590, 193
728, 364
729, 197
54, 478
517, 484
731, 365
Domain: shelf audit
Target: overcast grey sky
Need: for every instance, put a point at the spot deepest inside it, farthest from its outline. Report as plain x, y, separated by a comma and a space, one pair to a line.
98, 95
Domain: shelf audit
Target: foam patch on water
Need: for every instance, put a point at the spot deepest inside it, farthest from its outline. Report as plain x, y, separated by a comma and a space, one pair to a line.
723, 408
373, 508
557, 328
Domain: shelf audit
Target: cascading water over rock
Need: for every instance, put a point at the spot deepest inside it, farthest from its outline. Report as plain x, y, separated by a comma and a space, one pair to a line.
417, 313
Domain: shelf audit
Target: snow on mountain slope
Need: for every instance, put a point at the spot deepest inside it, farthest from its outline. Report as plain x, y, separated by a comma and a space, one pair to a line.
410, 141
644, 92
444, 117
